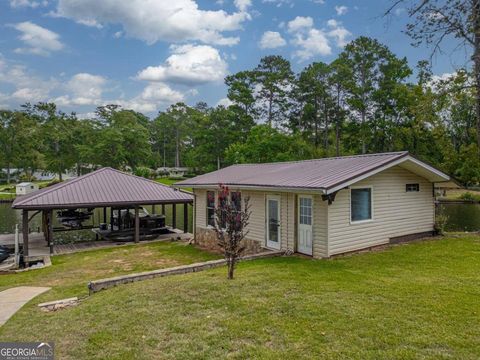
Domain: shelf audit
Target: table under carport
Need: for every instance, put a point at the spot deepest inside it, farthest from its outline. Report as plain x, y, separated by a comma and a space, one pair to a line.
103, 188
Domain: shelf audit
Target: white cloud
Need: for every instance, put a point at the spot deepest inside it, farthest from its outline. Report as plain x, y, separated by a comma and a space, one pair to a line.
271, 40
84, 89
311, 41
243, 5
29, 95
27, 86
338, 33
300, 23
38, 40
27, 3
314, 43
188, 64
152, 97
341, 9
226, 102
280, 3
154, 20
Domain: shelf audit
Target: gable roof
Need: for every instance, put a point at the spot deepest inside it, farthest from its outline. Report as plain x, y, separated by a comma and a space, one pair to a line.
103, 187
326, 175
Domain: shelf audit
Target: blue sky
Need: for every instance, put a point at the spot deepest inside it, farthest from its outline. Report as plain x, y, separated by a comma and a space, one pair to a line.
147, 54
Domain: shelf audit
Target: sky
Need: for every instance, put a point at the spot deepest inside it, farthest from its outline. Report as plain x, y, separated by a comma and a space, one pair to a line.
147, 54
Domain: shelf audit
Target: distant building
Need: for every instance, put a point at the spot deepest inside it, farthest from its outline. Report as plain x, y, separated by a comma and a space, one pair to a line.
172, 172
25, 188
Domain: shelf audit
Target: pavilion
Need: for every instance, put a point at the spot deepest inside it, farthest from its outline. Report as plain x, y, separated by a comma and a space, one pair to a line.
103, 188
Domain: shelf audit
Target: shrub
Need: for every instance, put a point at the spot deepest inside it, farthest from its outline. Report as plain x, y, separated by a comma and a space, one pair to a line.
469, 196
440, 223
144, 172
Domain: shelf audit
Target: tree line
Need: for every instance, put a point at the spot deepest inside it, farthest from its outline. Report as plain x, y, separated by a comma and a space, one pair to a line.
367, 100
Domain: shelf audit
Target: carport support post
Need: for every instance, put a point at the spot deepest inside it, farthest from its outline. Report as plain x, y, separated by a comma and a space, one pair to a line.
25, 232
137, 224
104, 215
163, 209
185, 217
174, 216
50, 230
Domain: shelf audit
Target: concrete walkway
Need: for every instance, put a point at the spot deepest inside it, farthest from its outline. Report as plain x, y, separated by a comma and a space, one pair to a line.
11, 300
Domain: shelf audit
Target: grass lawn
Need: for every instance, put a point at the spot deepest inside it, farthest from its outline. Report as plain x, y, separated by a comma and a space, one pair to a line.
69, 274
456, 194
415, 301
169, 182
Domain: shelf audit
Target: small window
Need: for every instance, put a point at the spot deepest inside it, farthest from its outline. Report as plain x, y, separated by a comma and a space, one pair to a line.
412, 187
211, 208
361, 204
305, 211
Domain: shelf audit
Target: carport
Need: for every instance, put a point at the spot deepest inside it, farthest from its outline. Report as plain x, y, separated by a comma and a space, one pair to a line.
103, 188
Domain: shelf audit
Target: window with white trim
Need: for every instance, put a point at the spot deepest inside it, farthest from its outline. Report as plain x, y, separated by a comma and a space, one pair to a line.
361, 204
412, 187
211, 208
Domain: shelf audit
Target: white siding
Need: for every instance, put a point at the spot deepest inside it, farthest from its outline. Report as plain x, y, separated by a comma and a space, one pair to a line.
256, 225
395, 212
200, 208
320, 227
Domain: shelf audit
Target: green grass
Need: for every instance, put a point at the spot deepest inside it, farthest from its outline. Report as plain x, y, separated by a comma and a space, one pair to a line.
415, 301
170, 182
459, 194
7, 196
69, 274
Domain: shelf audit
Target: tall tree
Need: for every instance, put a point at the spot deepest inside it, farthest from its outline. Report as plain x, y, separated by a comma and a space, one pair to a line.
313, 91
338, 83
435, 21
274, 79
373, 72
124, 142
16, 135
241, 88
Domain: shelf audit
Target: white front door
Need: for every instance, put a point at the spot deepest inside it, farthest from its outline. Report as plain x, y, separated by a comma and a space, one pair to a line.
273, 222
305, 216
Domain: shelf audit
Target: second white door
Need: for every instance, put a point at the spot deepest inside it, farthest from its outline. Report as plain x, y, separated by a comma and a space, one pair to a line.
305, 217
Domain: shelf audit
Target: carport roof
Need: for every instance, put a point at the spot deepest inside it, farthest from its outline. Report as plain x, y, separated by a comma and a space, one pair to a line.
102, 188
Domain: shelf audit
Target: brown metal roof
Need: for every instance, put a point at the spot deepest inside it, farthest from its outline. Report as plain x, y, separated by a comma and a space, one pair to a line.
319, 174
104, 187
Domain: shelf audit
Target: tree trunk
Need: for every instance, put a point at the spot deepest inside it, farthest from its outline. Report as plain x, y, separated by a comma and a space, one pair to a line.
231, 267
177, 149
270, 104
8, 172
476, 61
362, 130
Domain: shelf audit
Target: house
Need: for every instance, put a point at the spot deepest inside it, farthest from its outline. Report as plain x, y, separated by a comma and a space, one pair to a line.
25, 188
327, 206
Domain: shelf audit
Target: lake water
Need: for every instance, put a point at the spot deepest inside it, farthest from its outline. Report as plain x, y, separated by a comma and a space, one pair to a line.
461, 217
9, 217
